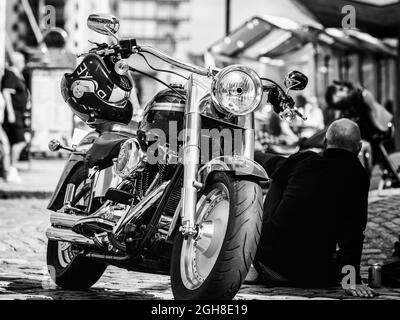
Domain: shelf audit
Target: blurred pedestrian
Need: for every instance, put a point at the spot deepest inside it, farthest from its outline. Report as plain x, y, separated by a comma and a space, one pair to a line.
358, 104
315, 117
4, 143
16, 96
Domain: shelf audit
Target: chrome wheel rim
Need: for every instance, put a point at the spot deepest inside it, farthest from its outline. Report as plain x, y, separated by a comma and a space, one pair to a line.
65, 254
199, 254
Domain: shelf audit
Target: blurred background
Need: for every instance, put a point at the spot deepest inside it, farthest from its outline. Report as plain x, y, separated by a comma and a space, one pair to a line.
327, 40
273, 37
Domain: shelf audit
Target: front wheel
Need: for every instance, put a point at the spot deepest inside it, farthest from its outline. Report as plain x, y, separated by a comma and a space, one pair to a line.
214, 264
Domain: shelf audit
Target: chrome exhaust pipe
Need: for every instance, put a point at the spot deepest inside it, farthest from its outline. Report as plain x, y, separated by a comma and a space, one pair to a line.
138, 210
63, 220
66, 235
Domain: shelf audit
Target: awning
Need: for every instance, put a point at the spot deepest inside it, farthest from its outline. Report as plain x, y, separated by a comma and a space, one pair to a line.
379, 18
273, 37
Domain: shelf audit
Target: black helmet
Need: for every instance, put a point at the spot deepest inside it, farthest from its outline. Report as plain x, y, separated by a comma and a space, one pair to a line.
96, 94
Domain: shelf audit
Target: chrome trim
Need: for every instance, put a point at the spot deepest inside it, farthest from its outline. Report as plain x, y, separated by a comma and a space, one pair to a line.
199, 254
166, 106
191, 156
249, 136
257, 84
69, 194
132, 163
140, 208
106, 179
64, 220
67, 235
174, 221
95, 221
153, 184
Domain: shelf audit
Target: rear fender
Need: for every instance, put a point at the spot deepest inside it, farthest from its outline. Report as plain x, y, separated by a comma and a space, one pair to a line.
74, 162
77, 159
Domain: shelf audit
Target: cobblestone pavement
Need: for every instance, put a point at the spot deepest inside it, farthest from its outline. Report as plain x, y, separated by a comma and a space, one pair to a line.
23, 272
38, 179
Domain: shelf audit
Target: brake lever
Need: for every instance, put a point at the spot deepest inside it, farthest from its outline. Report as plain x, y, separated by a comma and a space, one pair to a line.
303, 117
289, 110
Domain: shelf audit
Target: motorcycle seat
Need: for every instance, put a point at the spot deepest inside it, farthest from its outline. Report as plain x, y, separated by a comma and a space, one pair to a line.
105, 149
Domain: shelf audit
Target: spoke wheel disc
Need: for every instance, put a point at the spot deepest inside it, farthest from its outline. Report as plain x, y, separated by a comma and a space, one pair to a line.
200, 254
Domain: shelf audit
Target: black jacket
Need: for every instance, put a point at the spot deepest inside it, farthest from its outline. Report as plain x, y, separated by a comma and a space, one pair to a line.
315, 215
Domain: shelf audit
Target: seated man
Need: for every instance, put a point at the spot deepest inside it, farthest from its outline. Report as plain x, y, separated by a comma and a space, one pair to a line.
316, 204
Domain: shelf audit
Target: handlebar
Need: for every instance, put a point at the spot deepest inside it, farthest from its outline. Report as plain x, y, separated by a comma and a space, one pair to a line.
133, 48
176, 62
127, 47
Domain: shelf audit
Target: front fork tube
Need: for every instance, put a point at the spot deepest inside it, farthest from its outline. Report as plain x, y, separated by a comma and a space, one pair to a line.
191, 159
249, 137
191, 155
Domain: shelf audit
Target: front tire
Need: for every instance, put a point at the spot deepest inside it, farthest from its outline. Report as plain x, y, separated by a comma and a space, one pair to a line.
214, 265
66, 268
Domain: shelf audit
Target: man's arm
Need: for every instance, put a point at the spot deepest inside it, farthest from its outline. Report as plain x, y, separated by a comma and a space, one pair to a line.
352, 224
9, 86
9, 105
351, 238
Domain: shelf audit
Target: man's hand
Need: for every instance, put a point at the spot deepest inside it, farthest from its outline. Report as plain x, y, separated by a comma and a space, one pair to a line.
362, 291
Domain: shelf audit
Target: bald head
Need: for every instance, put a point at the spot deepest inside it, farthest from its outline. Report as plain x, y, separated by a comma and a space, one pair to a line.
344, 134
18, 60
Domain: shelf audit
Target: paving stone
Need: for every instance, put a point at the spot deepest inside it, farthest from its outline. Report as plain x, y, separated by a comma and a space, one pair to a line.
23, 271
371, 251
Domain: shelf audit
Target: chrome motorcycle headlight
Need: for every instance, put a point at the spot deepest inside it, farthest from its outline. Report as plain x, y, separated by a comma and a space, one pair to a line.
130, 158
237, 90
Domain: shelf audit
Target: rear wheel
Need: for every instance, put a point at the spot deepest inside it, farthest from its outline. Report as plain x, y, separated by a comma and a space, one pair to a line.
66, 268
214, 264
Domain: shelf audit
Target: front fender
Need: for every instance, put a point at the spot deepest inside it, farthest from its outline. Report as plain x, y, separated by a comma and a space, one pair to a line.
239, 166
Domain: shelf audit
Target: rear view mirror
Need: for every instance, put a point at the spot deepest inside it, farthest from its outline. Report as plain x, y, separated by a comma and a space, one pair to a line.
103, 23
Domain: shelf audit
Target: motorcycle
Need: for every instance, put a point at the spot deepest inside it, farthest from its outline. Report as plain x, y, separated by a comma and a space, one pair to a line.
177, 209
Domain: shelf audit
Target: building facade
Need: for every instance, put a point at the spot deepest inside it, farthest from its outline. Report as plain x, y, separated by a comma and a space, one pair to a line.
76, 13
160, 23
